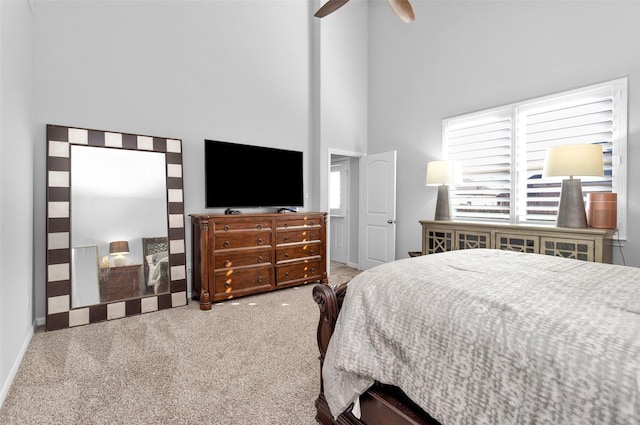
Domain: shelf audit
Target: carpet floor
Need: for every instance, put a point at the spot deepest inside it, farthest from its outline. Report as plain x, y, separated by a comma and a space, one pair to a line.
253, 360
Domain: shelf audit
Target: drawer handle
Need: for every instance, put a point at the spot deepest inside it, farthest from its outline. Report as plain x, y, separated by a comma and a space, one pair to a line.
313, 270
286, 225
260, 279
227, 263
259, 258
311, 223
227, 243
286, 255
311, 251
286, 238
260, 241
259, 226
226, 227
227, 285
286, 274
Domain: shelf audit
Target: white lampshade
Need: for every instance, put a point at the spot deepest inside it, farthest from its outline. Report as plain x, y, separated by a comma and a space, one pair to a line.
573, 160
443, 172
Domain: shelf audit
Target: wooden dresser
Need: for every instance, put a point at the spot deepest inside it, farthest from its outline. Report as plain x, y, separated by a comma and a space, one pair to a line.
237, 255
582, 244
119, 283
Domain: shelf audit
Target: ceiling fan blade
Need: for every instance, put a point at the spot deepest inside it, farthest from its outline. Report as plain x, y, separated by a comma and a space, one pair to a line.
403, 10
329, 7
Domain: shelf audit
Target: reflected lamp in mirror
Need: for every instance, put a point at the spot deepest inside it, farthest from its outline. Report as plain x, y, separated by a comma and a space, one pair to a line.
573, 161
443, 174
119, 249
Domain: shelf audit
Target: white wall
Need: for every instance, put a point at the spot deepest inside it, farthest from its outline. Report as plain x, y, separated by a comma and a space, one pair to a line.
459, 57
343, 83
341, 97
227, 70
16, 187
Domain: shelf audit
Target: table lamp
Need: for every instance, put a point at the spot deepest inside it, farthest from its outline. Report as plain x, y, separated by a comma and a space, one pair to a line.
442, 174
571, 161
119, 248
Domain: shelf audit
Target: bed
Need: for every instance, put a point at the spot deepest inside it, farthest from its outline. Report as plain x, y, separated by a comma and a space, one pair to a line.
481, 337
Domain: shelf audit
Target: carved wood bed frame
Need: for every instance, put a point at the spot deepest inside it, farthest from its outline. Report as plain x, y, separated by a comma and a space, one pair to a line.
379, 405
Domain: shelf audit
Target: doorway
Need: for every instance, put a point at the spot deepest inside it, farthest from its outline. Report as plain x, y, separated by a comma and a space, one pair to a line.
362, 208
343, 209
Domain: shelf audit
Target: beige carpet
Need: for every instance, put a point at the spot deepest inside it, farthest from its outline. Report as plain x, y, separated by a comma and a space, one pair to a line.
249, 361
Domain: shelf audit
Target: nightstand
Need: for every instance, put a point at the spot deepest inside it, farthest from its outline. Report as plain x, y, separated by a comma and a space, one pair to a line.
119, 283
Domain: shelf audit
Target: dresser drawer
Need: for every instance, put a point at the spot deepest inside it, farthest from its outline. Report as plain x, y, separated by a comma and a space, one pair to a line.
235, 282
299, 220
245, 257
292, 252
241, 224
517, 242
306, 270
580, 249
297, 235
234, 240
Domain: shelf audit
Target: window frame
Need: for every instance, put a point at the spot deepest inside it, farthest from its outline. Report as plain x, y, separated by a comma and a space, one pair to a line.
518, 153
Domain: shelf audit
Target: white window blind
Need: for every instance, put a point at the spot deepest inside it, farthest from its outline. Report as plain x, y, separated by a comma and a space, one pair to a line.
585, 117
502, 153
483, 145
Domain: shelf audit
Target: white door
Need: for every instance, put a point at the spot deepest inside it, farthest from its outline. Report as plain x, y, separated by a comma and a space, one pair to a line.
377, 209
339, 211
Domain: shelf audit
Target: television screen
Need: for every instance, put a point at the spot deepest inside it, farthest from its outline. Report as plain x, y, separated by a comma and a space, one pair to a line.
238, 175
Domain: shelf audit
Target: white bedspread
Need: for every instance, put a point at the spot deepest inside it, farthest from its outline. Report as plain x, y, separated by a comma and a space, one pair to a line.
493, 337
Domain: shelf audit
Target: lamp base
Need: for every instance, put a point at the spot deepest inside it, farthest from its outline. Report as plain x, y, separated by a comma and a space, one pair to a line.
119, 261
443, 210
571, 211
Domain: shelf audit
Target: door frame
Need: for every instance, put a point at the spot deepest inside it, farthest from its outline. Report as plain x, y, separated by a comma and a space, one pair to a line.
353, 191
343, 215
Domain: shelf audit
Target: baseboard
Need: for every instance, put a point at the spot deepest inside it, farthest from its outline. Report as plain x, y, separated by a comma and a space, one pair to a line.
40, 321
16, 365
353, 265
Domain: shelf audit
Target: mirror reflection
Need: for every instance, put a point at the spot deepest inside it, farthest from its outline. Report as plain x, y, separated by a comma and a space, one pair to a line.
119, 244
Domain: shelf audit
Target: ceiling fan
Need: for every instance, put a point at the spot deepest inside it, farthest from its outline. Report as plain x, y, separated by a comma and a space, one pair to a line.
402, 9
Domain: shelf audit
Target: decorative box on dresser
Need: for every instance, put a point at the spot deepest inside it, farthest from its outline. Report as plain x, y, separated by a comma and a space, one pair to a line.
244, 254
582, 244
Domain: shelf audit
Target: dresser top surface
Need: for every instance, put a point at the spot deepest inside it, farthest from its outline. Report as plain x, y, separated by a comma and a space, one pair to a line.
521, 227
202, 216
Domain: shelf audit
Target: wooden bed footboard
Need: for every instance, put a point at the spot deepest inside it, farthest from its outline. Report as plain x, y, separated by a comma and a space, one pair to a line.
381, 404
329, 299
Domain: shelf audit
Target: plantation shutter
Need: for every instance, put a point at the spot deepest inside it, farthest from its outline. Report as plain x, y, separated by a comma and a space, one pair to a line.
583, 117
482, 145
502, 153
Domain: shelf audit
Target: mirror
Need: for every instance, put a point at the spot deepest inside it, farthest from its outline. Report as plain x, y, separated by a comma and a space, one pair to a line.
116, 195
115, 225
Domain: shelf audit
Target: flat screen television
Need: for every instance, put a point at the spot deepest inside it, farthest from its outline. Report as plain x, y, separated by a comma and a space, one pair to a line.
239, 175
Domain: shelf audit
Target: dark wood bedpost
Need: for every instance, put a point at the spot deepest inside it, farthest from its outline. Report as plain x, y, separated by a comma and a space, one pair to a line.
329, 300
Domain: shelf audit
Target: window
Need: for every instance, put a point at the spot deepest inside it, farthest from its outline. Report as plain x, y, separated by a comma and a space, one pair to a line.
338, 188
502, 153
